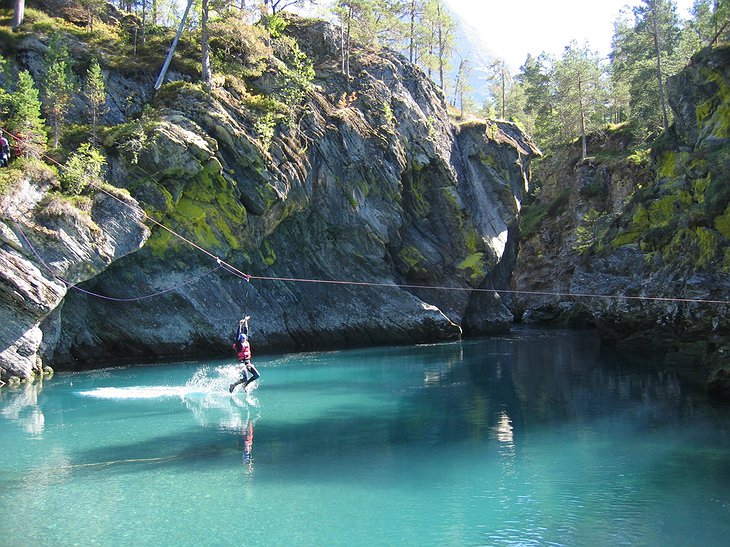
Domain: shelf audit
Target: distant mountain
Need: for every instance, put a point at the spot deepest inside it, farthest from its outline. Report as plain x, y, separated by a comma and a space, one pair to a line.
470, 46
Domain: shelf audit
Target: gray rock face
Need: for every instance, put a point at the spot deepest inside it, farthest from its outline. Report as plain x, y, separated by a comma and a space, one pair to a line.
42, 254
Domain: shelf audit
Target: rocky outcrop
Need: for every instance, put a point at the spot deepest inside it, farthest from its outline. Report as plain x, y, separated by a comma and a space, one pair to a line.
367, 182
647, 229
46, 246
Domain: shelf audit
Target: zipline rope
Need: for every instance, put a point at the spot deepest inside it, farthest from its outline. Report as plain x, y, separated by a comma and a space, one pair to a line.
248, 277
105, 297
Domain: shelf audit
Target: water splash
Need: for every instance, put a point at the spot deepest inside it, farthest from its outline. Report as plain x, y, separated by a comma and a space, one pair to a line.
206, 381
205, 395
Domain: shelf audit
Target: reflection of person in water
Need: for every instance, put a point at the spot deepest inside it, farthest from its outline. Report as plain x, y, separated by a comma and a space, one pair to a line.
248, 445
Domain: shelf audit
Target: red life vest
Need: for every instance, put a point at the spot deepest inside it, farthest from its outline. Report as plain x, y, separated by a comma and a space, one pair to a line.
245, 352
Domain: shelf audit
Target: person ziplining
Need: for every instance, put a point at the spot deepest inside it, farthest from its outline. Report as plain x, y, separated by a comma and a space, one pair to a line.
243, 351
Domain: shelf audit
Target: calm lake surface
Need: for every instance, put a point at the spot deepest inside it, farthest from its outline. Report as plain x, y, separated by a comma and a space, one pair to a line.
531, 438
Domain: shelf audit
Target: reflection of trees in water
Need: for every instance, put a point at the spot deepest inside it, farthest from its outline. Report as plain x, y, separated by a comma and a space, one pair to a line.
21, 405
568, 377
559, 377
475, 400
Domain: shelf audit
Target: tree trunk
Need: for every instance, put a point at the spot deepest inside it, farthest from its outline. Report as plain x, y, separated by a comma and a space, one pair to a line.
411, 46
347, 46
144, 20
161, 77
504, 98
18, 14
206, 75
655, 33
584, 141
441, 46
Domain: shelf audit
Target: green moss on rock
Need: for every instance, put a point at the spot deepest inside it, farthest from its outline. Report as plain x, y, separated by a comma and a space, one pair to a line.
475, 263
267, 253
413, 259
722, 223
692, 247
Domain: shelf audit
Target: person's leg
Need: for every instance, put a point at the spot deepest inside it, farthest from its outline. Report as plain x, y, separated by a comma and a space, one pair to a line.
243, 380
254, 374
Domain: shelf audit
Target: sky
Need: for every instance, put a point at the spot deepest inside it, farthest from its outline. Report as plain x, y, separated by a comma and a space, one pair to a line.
510, 29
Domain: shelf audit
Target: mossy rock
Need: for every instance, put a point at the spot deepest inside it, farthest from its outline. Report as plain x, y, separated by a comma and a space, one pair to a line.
414, 261
692, 247
722, 223
475, 263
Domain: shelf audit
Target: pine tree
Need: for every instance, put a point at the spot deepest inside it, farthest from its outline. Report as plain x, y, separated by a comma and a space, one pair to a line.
57, 85
645, 51
442, 27
24, 120
502, 81
371, 23
95, 93
534, 90
82, 169
276, 6
461, 85
579, 94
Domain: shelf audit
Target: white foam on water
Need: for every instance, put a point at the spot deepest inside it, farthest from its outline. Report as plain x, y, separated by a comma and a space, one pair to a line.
135, 392
204, 382
205, 395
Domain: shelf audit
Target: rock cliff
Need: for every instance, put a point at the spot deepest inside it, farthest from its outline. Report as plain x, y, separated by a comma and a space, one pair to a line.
646, 228
47, 246
367, 181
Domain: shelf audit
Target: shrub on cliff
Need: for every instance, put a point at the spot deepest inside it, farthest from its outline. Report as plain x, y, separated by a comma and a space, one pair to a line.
83, 168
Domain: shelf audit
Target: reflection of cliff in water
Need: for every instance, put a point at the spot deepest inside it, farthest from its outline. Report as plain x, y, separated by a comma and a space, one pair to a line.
554, 378
21, 405
567, 377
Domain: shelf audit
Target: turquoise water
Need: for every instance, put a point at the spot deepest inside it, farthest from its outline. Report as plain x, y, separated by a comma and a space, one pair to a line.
533, 438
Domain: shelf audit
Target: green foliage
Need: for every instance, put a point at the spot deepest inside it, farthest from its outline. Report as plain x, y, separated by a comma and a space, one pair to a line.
587, 234
75, 208
644, 43
239, 48
58, 83
95, 93
532, 215
275, 24
265, 129
83, 168
296, 76
530, 218
130, 138
24, 117
639, 157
